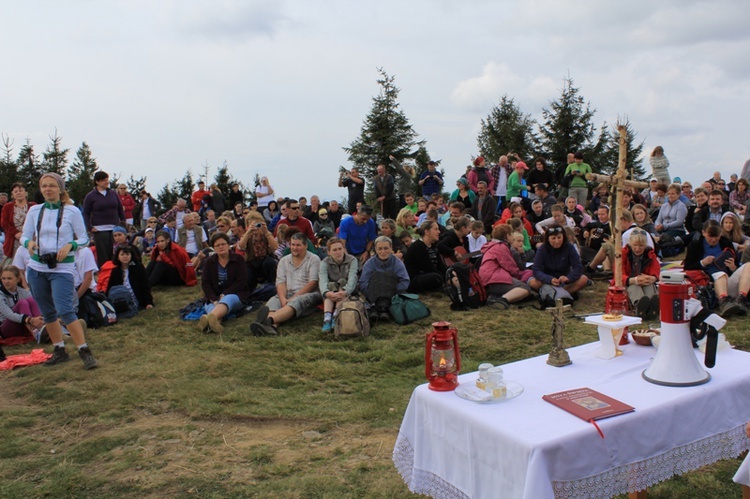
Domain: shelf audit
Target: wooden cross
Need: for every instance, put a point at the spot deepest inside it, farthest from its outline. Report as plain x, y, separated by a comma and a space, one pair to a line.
619, 181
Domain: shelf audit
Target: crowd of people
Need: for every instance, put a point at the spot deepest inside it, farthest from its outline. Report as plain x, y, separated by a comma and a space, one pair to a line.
527, 231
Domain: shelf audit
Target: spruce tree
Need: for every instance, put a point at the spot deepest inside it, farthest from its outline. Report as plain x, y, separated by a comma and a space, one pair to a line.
568, 127
135, 186
8, 165
80, 175
507, 129
29, 167
185, 187
385, 131
611, 155
55, 157
168, 197
224, 180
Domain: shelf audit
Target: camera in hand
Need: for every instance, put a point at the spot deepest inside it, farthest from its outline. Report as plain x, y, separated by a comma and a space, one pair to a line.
50, 259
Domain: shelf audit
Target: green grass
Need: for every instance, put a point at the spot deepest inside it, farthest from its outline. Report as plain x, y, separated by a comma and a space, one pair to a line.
173, 412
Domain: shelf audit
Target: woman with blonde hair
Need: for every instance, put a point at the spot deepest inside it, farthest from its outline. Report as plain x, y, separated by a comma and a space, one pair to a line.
731, 228
406, 221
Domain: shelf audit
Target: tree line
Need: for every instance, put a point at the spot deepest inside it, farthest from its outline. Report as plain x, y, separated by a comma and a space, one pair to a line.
567, 125
28, 166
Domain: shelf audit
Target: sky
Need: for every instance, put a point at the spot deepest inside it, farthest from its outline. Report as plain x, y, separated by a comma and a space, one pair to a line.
280, 87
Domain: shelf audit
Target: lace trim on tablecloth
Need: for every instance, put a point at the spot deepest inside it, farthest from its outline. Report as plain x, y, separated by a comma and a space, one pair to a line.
420, 481
643, 474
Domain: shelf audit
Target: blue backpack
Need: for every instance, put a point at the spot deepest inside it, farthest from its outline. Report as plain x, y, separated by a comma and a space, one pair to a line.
122, 299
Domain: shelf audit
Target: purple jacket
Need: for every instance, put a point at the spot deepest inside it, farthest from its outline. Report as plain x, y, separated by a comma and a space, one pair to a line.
99, 209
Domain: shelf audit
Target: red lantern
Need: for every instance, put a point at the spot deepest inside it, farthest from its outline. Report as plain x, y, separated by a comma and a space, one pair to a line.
442, 358
617, 304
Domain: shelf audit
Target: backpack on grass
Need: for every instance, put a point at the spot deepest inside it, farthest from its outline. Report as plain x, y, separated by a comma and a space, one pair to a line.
122, 299
352, 318
96, 310
464, 288
406, 308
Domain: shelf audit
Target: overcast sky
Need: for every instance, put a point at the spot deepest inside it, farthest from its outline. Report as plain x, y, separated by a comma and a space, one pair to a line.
279, 87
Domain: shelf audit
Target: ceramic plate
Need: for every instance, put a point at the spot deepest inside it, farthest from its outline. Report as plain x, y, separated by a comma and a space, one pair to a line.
469, 391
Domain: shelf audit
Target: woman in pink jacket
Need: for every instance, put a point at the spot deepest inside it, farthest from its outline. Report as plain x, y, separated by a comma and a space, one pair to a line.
504, 281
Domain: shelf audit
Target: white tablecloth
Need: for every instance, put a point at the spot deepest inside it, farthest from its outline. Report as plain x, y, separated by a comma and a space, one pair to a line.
528, 448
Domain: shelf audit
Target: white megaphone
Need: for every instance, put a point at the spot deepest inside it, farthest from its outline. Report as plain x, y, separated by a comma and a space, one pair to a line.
675, 363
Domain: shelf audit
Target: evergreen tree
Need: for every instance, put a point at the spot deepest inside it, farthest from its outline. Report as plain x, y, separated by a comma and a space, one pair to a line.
224, 180
29, 167
185, 187
568, 127
611, 155
135, 186
507, 129
55, 157
168, 197
250, 193
385, 131
80, 175
8, 166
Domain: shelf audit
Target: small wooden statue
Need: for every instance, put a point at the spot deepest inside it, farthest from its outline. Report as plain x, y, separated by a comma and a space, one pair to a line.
558, 357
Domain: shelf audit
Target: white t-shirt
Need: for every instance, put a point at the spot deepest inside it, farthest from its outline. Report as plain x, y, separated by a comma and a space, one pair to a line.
263, 197
190, 246
85, 262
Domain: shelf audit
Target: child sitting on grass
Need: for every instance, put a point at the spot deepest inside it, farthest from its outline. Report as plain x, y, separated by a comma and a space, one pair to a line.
476, 236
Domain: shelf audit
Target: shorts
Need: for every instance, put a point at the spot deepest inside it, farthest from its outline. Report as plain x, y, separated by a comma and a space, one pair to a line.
501, 289
733, 283
303, 304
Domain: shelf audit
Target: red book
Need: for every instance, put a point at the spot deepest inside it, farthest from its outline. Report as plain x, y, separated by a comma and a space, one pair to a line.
588, 404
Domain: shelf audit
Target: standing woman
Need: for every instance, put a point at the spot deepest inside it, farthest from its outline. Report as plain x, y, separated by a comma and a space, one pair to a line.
423, 262
264, 194
102, 212
224, 284
127, 201
218, 198
660, 165
13, 217
52, 233
170, 264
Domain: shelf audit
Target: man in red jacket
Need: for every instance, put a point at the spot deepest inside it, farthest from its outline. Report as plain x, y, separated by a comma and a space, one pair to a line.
197, 196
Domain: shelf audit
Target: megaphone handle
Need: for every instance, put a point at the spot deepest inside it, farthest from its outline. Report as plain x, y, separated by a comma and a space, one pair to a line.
712, 340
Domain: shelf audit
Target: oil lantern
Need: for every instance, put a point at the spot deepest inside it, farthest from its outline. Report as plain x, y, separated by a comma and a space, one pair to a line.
617, 304
442, 357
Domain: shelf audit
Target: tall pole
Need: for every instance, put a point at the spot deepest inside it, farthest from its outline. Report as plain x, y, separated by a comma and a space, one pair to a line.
621, 176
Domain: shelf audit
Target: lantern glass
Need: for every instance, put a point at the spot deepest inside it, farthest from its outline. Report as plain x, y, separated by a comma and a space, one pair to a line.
443, 360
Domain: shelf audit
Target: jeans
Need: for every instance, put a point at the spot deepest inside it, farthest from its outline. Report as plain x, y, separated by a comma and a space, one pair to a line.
233, 303
55, 294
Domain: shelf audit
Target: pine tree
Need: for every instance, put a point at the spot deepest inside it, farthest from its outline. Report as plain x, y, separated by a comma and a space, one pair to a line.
55, 157
185, 187
135, 186
29, 167
8, 166
507, 129
250, 194
568, 127
224, 179
385, 131
168, 197
611, 155
80, 175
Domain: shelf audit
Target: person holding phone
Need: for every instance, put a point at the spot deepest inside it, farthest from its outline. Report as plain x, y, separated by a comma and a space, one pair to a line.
713, 254
259, 246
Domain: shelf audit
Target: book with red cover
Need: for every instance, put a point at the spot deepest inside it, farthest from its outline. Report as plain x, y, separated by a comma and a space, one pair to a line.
588, 404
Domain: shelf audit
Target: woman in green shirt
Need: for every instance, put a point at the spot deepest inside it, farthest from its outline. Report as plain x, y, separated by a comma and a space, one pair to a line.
516, 184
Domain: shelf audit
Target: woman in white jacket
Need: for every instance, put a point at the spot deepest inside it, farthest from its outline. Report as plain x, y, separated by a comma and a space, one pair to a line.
52, 232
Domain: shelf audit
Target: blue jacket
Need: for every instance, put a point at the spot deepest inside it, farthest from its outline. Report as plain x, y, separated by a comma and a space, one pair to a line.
552, 263
393, 265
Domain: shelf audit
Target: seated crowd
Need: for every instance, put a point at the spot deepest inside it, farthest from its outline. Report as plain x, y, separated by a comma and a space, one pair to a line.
525, 236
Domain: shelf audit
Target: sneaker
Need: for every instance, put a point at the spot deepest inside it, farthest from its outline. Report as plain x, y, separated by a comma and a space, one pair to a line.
89, 362
259, 329
743, 303
42, 336
58, 355
214, 324
728, 307
327, 327
203, 323
499, 301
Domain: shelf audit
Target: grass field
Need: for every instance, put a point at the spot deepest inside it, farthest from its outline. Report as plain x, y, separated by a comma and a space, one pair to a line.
172, 412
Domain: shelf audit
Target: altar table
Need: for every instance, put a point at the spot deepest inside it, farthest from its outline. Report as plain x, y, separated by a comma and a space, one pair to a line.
528, 448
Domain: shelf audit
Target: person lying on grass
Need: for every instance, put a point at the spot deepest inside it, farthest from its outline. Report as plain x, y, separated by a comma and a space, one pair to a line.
224, 284
296, 287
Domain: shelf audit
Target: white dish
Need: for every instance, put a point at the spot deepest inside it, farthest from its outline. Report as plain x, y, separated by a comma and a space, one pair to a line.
469, 391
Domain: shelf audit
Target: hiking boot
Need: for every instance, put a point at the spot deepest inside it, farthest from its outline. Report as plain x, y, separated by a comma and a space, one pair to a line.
259, 329
89, 362
643, 307
262, 317
327, 327
203, 323
214, 324
728, 307
499, 301
743, 303
58, 355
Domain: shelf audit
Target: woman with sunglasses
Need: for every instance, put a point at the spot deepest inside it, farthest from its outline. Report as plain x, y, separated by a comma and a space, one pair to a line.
557, 264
